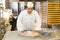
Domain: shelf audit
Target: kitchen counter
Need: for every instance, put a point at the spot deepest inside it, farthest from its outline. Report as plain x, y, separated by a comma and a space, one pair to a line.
15, 35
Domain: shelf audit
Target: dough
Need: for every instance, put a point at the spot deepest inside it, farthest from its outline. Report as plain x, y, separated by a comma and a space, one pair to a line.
30, 33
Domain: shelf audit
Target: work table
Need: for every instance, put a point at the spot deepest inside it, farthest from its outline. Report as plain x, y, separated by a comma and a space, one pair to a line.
15, 35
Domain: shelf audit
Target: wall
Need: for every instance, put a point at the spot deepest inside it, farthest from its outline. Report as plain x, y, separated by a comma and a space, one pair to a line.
13, 0
53, 13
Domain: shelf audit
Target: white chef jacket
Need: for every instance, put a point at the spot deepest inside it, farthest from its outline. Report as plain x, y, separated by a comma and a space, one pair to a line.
25, 21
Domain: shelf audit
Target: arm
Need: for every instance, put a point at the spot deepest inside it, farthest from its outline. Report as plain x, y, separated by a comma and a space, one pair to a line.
38, 22
19, 22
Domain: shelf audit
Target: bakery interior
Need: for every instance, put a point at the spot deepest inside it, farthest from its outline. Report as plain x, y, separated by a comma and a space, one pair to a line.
48, 10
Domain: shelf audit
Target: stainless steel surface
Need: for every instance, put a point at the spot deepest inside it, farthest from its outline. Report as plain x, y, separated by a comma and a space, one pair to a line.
14, 35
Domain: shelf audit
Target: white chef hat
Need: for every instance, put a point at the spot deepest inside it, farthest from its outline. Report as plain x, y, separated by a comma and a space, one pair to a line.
30, 4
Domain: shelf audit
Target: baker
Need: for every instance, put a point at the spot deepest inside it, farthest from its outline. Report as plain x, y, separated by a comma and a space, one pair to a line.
29, 19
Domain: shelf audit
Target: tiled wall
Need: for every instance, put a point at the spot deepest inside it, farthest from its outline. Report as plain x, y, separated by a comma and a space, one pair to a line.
43, 13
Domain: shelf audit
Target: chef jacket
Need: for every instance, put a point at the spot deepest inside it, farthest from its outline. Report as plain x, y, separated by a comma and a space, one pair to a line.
27, 21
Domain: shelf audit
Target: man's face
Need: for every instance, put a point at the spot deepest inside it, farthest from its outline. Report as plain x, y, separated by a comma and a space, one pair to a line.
29, 10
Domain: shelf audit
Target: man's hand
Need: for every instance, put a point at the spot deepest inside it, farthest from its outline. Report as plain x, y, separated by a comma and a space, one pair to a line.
35, 31
23, 32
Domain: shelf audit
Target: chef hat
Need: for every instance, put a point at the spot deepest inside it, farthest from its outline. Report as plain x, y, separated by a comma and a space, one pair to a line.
30, 4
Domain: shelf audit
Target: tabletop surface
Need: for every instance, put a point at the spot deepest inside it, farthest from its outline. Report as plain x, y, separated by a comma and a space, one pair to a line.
15, 35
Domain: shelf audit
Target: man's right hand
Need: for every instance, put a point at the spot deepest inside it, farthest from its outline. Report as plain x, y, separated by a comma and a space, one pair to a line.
23, 32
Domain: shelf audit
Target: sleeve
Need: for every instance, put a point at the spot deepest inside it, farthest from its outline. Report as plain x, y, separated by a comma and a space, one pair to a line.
19, 22
38, 22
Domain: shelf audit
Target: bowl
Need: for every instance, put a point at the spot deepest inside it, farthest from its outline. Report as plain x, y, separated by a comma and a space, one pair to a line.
46, 32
